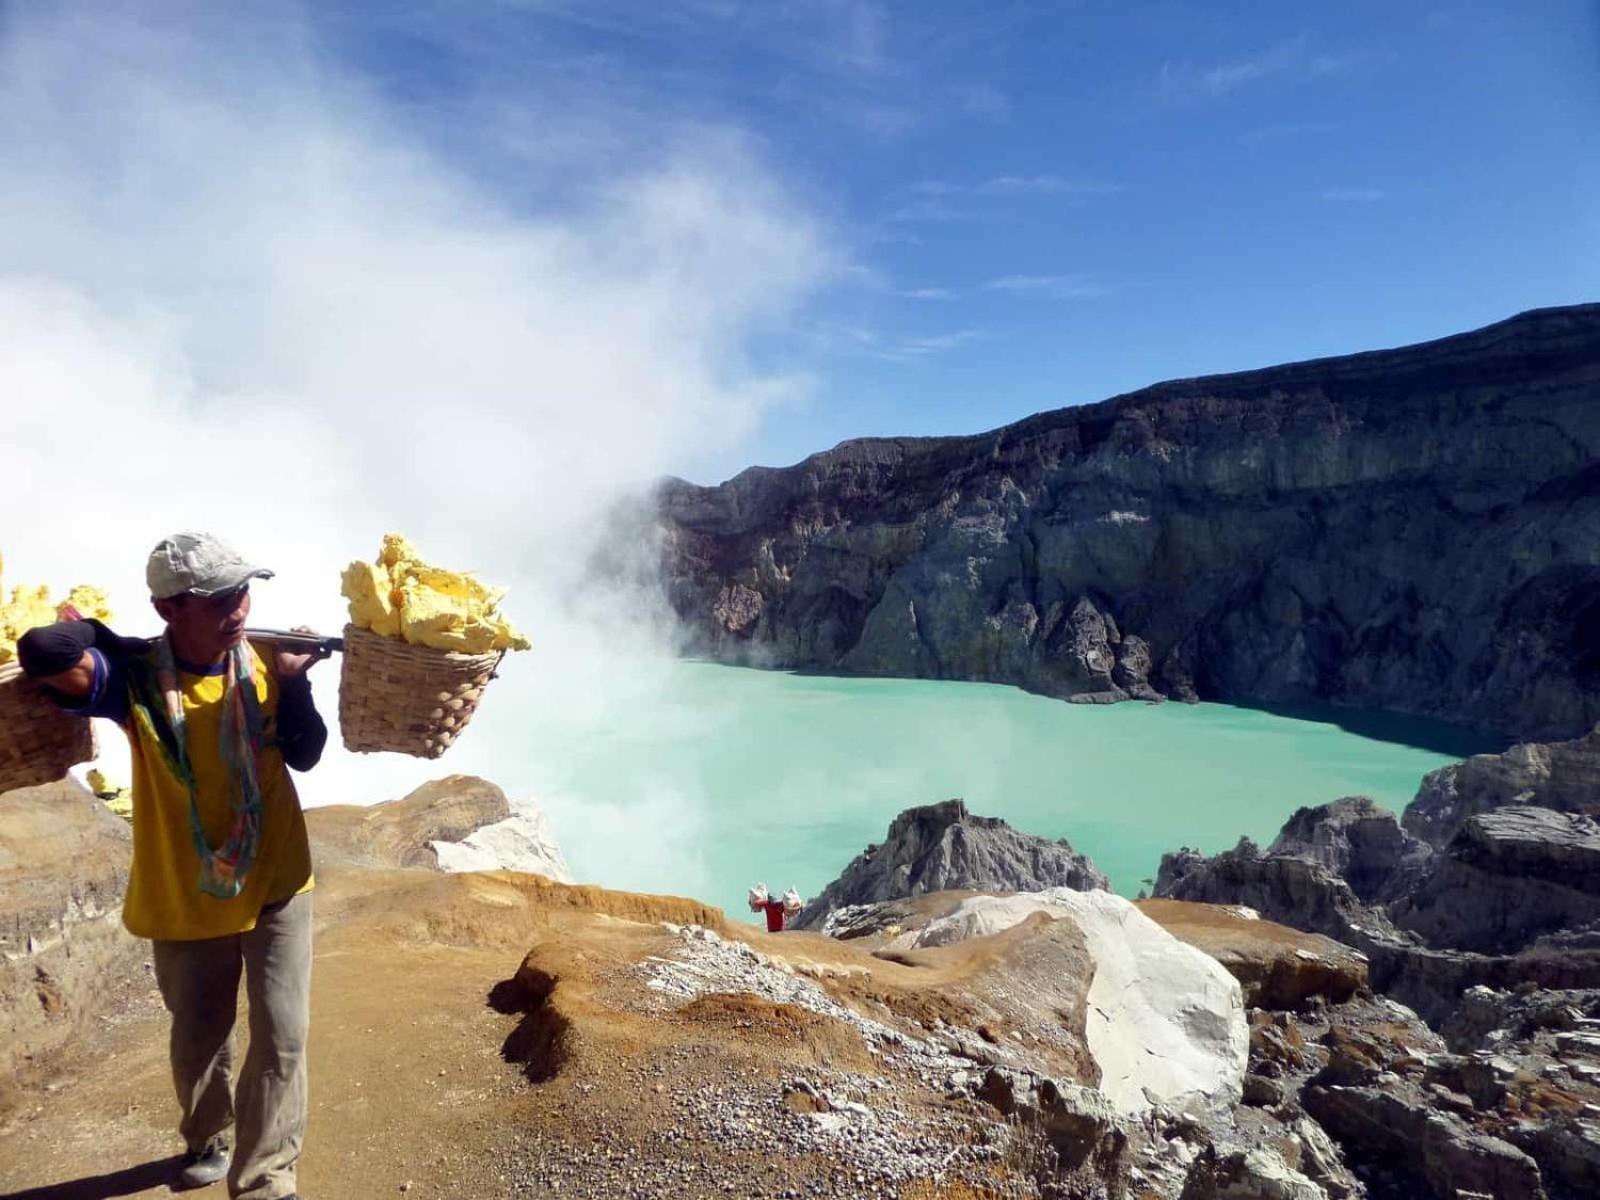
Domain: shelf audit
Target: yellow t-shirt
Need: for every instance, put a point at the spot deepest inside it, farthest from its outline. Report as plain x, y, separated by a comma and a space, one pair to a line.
164, 900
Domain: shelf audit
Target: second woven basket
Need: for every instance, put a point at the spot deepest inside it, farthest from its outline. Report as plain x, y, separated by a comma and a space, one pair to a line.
38, 742
407, 699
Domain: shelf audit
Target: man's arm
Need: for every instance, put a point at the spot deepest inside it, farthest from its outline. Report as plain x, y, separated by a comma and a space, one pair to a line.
301, 732
82, 665
59, 657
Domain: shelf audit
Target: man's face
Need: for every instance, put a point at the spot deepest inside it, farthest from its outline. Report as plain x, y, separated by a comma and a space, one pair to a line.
207, 625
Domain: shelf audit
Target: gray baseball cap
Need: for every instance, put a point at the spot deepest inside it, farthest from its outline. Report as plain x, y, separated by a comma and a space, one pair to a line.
199, 563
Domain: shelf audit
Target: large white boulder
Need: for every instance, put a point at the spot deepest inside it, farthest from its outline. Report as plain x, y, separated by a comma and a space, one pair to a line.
1165, 1022
523, 841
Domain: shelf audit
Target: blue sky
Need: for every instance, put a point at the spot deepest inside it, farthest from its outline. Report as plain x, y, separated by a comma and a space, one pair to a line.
843, 217
1044, 204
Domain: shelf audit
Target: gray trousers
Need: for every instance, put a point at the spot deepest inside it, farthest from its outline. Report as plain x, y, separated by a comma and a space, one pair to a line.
199, 984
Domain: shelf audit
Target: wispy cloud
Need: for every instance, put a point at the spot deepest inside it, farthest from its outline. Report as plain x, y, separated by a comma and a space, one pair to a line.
1350, 60
874, 279
1222, 78
853, 32
981, 100
951, 200
1052, 287
1043, 185
1291, 59
940, 343
1352, 195
931, 209
1285, 131
901, 348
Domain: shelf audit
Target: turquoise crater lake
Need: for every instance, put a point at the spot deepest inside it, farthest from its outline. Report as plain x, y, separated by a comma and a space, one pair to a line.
721, 776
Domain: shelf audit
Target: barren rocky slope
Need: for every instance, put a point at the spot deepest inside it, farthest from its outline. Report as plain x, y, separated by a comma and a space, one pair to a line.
1416, 530
500, 1034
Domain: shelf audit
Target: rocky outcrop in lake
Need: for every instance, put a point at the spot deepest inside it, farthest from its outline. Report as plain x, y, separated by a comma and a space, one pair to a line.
941, 847
1416, 530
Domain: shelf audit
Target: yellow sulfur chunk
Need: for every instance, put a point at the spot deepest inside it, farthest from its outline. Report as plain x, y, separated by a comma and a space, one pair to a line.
88, 601
118, 799
30, 607
433, 618
403, 596
371, 594
396, 551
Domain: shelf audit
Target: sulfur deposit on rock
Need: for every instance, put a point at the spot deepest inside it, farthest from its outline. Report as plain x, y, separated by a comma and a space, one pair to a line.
30, 606
401, 596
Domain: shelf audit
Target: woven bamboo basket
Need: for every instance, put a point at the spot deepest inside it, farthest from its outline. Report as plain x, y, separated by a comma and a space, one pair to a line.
407, 699
38, 742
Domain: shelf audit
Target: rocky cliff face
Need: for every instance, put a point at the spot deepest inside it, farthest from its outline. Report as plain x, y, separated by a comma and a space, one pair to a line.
1415, 530
939, 847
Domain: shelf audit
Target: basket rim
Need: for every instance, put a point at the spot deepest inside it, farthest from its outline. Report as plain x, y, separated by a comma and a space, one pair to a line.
352, 631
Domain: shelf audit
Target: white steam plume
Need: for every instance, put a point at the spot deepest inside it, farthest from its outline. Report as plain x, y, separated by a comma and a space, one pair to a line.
243, 297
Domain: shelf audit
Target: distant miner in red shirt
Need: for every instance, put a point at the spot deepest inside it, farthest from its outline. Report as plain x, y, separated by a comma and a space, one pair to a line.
776, 910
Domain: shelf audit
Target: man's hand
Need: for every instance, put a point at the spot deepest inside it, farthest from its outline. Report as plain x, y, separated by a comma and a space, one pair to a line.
290, 663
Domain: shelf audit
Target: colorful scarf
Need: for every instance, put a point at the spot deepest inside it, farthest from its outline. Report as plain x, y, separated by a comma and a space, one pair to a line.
222, 871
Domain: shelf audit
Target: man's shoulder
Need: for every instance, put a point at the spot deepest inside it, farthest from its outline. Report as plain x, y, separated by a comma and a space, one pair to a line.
116, 645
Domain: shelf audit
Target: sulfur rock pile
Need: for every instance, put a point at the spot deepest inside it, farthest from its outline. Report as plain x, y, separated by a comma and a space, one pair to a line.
400, 596
31, 606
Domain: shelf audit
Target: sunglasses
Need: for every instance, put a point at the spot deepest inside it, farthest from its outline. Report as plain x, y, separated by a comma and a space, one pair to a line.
222, 601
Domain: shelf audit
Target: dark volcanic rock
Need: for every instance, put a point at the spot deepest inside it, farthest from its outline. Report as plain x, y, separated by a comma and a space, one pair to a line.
1563, 775
1359, 842
1509, 877
1415, 530
1285, 888
1438, 1150
942, 846
1494, 911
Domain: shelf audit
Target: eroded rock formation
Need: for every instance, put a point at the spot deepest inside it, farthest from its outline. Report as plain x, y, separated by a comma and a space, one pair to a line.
941, 847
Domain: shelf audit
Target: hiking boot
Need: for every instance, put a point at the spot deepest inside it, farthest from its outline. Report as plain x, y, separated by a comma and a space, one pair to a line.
204, 1167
